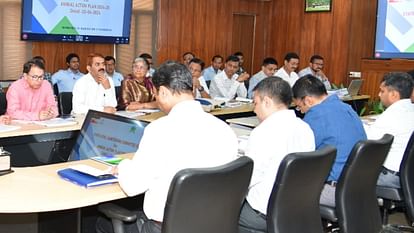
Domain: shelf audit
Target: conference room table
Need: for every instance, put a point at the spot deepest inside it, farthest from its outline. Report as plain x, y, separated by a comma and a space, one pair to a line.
29, 191
33, 144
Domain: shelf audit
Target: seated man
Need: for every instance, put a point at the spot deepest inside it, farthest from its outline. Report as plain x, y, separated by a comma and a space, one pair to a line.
287, 71
228, 84
269, 67
169, 145
333, 123
31, 97
397, 120
279, 133
411, 73
94, 90
215, 68
187, 56
110, 66
315, 68
65, 79
200, 88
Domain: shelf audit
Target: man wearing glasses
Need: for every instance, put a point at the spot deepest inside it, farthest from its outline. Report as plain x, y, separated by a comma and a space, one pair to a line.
31, 97
315, 68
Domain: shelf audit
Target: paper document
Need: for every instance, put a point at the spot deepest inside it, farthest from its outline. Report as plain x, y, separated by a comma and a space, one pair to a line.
57, 122
148, 110
7, 128
129, 114
91, 170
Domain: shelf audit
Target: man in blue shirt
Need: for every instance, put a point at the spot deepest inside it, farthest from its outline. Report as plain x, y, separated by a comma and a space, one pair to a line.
65, 79
333, 123
214, 69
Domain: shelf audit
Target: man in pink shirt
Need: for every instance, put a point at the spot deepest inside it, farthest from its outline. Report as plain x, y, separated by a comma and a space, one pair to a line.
31, 97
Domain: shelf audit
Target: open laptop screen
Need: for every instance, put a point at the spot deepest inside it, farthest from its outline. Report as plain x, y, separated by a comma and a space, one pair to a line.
354, 87
105, 134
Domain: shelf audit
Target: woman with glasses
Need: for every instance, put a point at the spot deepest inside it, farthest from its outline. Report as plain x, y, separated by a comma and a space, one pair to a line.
137, 88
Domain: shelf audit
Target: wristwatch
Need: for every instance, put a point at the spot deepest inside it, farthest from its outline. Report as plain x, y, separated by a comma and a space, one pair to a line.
200, 88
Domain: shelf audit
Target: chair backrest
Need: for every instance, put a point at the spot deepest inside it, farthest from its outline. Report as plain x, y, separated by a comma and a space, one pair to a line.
294, 201
3, 103
65, 103
206, 200
407, 177
356, 200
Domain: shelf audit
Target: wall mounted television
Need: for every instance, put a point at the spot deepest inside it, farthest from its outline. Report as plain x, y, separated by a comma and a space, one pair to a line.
86, 21
395, 29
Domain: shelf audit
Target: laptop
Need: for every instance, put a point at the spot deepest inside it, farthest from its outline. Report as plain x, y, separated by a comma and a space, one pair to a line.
106, 135
354, 87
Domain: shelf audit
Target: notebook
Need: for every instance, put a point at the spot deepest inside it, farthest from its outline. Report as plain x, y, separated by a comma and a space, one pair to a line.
84, 179
354, 87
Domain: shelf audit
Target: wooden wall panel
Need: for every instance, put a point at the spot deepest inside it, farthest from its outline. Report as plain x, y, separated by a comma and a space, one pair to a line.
343, 36
55, 53
373, 71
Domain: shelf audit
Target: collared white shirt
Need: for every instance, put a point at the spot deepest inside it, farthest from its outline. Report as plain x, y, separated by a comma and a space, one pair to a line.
187, 137
291, 79
88, 94
222, 86
277, 136
324, 80
397, 120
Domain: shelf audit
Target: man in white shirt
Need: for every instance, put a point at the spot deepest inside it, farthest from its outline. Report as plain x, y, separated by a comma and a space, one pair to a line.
269, 67
279, 133
315, 68
397, 120
200, 88
287, 71
94, 90
169, 145
228, 84
110, 66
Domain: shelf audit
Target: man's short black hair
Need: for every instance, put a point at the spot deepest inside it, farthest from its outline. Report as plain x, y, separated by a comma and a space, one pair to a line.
33, 63
269, 60
316, 57
191, 53
217, 56
275, 88
198, 61
238, 53
110, 58
308, 85
232, 58
174, 76
400, 82
291, 55
70, 56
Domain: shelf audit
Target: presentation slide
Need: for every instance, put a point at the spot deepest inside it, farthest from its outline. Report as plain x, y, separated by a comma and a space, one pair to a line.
105, 136
78, 17
395, 27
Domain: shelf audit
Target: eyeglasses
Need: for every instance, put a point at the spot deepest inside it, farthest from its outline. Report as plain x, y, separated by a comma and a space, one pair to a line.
36, 77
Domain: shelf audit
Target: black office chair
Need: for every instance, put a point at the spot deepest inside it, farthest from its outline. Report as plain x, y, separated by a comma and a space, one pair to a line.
357, 209
404, 196
65, 103
3, 103
117, 92
202, 200
294, 202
